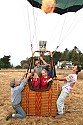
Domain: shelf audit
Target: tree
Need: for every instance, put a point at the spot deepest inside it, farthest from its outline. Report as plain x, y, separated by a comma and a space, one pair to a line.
5, 62
65, 55
18, 67
23, 62
74, 56
1, 64
57, 56
81, 60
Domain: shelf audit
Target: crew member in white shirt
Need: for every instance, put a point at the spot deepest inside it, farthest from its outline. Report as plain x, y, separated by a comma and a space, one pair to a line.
70, 81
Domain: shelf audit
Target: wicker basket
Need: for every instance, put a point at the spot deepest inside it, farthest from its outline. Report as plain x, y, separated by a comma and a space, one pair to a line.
40, 103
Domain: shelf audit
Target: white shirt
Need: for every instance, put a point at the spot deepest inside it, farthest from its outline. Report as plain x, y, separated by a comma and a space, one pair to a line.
71, 80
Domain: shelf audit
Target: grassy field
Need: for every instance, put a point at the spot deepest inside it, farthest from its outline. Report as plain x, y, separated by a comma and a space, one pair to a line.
74, 102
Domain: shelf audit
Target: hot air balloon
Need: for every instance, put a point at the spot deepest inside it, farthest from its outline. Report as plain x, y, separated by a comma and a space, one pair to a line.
58, 6
43, 102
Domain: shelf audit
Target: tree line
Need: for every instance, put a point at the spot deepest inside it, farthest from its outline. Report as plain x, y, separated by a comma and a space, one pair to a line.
74, 55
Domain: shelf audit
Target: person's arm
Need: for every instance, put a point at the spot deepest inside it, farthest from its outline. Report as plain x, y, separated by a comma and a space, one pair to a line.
20, 80
61, 79
49, 80
51, 54
44, 62
21, 86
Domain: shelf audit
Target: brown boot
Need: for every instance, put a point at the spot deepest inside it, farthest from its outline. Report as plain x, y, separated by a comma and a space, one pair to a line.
9, 116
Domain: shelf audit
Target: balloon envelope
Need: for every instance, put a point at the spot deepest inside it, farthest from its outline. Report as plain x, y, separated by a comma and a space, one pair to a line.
61, 7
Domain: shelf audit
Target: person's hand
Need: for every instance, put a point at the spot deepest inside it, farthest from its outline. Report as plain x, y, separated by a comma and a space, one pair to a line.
28, 76
25, 74
49, 80
32, 54
51, 54
55, 78
41, 58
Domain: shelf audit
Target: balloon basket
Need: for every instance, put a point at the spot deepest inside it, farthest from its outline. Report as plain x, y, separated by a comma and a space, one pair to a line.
42, 103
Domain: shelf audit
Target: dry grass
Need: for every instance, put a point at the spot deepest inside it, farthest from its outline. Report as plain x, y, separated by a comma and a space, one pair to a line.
74, 103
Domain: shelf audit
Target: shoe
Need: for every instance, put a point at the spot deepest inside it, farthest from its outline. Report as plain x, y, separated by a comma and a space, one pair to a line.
8, 117
59, 115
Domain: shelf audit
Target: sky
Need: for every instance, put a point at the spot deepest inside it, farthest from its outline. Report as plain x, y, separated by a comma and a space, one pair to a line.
22, 25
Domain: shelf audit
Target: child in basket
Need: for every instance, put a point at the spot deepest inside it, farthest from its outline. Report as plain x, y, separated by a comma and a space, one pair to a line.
36, 81
45, 79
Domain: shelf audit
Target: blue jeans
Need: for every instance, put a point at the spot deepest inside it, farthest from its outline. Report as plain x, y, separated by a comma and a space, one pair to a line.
60, 101
19, 112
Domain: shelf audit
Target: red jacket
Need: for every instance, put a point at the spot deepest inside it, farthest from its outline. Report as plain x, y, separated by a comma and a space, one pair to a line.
44, 83
36, 83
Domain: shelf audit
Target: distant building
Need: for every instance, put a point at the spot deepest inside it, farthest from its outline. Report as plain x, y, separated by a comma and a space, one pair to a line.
65, 64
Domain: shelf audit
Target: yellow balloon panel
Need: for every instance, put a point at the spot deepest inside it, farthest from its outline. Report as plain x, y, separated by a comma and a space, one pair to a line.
48, 6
